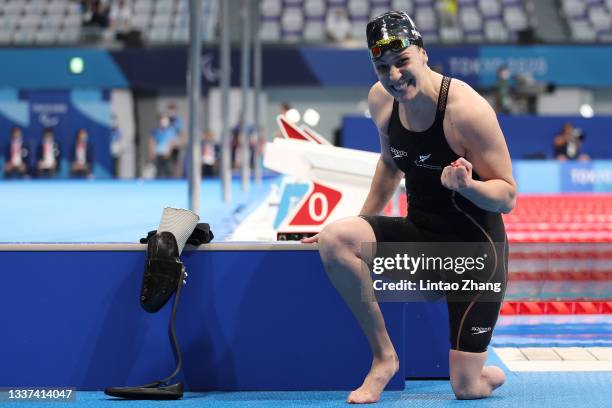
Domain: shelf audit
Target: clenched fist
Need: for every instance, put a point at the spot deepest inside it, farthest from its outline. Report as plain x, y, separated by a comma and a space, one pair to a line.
458, 175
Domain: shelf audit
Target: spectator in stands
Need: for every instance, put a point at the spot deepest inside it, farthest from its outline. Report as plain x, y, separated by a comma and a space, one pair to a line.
161, 143
48, 155
568, 143
178, 149
210, 152
261, 143
96, 14
256, 145
337, 24
448, 10
82, 156
503, 101
243, 135
236, 146
237, 143
120, 15
16, 155
116, 145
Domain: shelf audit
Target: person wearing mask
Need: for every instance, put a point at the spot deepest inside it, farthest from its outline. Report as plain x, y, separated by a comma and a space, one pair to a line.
161, 143
209, 154
178, 150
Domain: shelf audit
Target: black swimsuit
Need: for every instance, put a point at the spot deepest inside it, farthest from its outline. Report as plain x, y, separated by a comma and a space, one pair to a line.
437, 214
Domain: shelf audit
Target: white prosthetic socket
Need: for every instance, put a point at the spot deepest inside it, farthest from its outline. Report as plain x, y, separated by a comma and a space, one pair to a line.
180, 223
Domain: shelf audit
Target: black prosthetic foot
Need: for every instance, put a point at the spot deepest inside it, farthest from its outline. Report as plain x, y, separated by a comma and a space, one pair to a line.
153, 391
163, 276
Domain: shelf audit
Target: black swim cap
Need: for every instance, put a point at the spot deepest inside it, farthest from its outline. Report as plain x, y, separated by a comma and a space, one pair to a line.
393, 24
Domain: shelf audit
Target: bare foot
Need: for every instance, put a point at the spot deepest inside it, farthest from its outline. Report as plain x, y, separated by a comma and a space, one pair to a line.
495, 376
375, 382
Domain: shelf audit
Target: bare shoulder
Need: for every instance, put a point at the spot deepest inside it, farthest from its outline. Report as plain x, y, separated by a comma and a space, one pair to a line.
467, 110
473, 124
465, 104
380, 103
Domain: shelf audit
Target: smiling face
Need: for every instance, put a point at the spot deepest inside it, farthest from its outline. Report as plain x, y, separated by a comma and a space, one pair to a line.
401, 73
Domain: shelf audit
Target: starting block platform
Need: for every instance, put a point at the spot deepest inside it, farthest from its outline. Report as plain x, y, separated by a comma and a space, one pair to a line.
253, 316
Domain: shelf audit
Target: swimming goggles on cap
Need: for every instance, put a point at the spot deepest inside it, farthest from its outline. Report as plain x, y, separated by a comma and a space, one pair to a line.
395, 44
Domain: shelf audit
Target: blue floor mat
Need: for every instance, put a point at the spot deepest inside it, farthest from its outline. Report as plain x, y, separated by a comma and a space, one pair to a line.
522, 389
529, 390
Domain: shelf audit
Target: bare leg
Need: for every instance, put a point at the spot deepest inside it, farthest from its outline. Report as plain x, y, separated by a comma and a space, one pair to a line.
340, 249
469, 379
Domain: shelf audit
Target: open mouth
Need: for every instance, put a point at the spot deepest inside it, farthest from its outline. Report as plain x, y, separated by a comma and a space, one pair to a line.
402, 87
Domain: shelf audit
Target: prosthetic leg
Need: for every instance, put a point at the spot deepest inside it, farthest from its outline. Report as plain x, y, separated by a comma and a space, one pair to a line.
164, 275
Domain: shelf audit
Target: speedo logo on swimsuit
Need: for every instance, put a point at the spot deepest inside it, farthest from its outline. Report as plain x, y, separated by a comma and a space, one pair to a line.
420, 162
397, 154
480, 330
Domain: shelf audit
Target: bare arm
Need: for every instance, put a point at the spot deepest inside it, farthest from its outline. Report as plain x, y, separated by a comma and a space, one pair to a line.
495, 195
384, 183
387, 176
485, 150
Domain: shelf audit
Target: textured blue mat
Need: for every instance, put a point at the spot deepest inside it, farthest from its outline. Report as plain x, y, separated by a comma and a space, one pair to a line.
559, 390
529, 390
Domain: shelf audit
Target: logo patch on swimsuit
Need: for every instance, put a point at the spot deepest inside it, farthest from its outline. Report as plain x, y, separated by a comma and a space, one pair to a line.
420, 162
398, 154
480, 330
